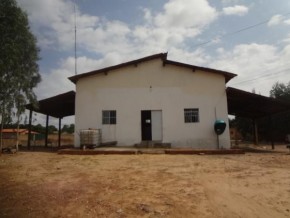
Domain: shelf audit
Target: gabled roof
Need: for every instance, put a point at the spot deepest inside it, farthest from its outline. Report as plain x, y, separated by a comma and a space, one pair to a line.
163, 57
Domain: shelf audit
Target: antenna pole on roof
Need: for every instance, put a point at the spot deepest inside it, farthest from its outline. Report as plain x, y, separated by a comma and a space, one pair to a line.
75, 37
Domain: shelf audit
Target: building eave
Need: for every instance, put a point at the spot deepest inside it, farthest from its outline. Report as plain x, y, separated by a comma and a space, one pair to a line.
228, 76
75, 78
163, 56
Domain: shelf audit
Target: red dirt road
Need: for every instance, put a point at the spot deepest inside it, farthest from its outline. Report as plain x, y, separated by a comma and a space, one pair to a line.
38, 184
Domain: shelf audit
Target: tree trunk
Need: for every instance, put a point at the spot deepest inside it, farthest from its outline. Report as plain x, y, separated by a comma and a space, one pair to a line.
2, 124
17, 133
1, 128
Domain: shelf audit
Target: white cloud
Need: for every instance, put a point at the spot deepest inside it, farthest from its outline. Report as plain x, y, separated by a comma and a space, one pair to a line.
246, 55
147, 15
197, 57
239, 10
258, 66
56, 81
53, 21
186, 14
108, 36
287, 39
278, 19
168, 29
275, 20
287, 22
229, 1
180, 19
160, 32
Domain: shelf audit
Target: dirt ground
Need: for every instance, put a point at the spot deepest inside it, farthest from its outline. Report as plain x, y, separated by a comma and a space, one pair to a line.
41, 184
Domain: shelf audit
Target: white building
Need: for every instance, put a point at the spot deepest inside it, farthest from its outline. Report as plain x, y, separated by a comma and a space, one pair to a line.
153, 99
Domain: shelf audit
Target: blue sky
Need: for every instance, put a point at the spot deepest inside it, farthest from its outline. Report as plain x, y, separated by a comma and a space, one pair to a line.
113, 31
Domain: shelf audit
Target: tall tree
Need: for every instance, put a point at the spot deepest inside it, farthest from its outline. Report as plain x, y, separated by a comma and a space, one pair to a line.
68, 128
20, 108
18, 60
280, 91
281, 122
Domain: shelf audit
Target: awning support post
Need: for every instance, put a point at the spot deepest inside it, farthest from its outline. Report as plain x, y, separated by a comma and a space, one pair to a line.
46, 130
59, 132
271, 132
255, 132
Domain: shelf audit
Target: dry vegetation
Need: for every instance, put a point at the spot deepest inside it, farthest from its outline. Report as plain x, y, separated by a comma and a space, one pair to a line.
34, 184
66, 139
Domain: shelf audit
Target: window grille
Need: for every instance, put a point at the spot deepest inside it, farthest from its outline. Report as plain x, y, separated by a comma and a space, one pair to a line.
191, 115
109, 117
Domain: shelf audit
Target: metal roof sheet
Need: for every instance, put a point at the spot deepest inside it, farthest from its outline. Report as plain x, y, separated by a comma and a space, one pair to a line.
250, 105
58, 106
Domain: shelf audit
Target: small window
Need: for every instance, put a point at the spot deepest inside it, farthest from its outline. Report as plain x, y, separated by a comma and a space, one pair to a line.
191, 115
109, 117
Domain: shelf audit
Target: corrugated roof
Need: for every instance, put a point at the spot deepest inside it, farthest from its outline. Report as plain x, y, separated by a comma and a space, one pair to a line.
57, 106
250, 105
163, 57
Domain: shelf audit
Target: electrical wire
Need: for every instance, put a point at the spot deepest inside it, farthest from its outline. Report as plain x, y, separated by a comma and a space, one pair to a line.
253, 80
262, 77
237, 31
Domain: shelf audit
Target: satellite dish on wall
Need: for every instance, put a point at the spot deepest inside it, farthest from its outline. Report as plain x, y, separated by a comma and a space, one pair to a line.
219, 128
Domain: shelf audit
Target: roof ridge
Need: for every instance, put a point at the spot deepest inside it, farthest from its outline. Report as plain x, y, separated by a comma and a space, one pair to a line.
163, 56
228, 76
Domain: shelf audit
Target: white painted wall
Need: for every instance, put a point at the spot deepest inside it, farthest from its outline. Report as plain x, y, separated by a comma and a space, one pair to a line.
151, 86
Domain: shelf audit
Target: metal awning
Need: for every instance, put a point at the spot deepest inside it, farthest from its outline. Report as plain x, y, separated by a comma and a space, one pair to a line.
253, 106
250, 105
240, 103
58, 106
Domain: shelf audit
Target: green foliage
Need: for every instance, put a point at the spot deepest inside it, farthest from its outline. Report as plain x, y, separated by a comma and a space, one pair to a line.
18, 59
281, 122
244, 126
18, 62
51, 129
280, 91
41, 129
68, 128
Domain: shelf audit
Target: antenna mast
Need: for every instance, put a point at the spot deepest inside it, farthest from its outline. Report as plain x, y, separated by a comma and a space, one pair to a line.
75, 38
